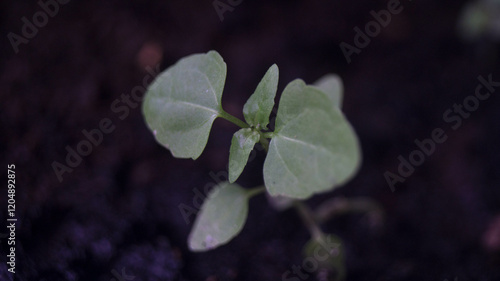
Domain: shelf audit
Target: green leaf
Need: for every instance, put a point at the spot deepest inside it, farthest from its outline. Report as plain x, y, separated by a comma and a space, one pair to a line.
259, 106
331, 85
221, 218
328, 253
314, 148
298, 97
183, 102
241, 145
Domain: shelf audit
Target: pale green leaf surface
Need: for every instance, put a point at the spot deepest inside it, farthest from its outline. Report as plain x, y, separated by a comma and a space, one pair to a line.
221, 217
314, 148
182, 103
260, 104
331, 85
242, 144
297, 97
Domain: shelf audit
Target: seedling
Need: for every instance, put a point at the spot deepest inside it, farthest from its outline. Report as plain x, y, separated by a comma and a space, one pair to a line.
313, 148
479, 20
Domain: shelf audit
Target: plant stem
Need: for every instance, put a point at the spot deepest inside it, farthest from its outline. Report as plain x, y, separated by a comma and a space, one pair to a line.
256, 190
339, 206
308, 219
267, 135
264, 142
233, 119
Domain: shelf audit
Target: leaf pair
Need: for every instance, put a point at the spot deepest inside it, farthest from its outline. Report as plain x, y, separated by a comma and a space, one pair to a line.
256, 112
312, 149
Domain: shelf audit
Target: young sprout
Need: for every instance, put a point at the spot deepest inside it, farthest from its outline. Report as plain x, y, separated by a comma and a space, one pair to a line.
313, 148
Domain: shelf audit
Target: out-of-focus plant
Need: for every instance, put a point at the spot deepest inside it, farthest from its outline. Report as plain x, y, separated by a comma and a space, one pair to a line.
313, 148
480, 19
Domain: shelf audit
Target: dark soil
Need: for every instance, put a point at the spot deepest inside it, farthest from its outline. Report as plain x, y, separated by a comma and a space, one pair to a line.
117, 212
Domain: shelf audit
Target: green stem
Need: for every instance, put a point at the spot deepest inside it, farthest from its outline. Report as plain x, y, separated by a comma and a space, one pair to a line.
255, 191
267, 135
264, 142
339, 206
233, 119
308, 219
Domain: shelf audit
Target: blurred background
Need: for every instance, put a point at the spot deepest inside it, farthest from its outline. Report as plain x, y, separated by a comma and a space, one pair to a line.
117, 211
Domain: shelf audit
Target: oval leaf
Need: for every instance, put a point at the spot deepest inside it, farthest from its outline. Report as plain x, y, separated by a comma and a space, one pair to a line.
314, 149
222, 217
332, 86
241, 145
183, 102
297, 97
260, 104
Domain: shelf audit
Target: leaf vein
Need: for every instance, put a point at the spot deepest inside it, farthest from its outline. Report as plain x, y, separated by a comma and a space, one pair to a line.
284, 162
196, 105
209, 84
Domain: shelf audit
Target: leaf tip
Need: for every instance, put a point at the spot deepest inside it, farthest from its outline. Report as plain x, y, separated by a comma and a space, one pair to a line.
208, 243
213, 52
